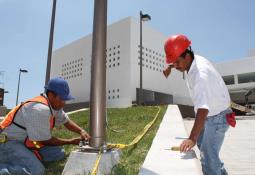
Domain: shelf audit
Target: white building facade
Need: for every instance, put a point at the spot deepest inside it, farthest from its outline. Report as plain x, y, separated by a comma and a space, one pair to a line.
239, 76
73, 62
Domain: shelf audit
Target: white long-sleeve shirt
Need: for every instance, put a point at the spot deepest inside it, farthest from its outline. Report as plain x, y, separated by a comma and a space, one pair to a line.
206, 86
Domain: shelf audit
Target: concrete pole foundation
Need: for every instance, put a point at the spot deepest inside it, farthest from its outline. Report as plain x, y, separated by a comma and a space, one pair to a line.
82, 163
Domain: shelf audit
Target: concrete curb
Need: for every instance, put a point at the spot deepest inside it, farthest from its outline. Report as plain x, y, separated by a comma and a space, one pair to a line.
160, 159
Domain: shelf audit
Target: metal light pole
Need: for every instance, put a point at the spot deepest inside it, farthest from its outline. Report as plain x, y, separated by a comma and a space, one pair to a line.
20, 71
143, 17
2, 92
98, 75
47, 77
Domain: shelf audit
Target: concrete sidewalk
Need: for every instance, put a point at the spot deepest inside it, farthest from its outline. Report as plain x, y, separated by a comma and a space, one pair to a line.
238, 149
160, 159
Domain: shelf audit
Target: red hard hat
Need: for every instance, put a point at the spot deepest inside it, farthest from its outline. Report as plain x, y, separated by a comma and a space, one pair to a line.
175, 46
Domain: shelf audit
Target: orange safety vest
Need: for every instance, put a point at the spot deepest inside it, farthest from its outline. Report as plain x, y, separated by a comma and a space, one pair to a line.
9, 119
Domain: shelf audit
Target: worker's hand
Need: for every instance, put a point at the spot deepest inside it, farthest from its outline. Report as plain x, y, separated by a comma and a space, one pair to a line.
75, 141
187, 145
84, 135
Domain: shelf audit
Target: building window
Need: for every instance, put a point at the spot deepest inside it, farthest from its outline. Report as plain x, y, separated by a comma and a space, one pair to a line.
246, 78
229, 79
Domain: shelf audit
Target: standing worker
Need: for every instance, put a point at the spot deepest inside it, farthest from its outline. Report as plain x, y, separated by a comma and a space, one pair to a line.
211, 102
28, 128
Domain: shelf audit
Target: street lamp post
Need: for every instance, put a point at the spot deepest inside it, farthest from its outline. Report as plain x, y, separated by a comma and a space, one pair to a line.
48, 67
20, 71
2, 92
98, 76
143, 17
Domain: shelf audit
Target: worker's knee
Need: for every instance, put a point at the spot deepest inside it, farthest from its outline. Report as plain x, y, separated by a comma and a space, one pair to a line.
37, 170
52, 153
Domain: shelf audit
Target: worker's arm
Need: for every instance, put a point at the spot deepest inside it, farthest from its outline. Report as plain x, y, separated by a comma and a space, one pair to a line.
196, 130
71, 126
59, 141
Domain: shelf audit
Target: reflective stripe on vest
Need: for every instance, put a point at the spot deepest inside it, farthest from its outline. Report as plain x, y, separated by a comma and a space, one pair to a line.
9, 119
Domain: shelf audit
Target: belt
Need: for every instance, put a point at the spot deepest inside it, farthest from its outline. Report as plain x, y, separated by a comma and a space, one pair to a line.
3, 138
224, 111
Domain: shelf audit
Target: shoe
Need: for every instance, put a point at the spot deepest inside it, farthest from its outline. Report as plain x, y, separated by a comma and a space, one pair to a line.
25, 171
4, 171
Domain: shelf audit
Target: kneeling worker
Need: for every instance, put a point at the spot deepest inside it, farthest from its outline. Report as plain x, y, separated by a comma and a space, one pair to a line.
28, 130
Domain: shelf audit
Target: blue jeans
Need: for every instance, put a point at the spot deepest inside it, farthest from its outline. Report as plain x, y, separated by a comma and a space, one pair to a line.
17, 159
210, 141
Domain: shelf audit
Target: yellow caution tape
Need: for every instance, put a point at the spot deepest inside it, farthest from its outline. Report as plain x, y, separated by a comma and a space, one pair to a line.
121, 146
139, 137
95, 167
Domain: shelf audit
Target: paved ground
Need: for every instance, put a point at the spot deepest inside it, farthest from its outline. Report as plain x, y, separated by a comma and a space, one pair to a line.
238, 151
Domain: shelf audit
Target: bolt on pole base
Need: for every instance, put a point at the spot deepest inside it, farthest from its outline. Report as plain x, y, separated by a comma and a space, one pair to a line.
87, 148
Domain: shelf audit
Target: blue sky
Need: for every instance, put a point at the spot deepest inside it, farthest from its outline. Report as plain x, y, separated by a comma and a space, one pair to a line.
220, 30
